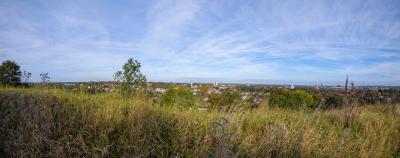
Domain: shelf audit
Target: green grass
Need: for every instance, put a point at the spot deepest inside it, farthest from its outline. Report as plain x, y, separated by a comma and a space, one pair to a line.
55, 123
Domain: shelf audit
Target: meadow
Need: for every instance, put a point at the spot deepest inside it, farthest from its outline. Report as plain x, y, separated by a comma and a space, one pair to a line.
46, 122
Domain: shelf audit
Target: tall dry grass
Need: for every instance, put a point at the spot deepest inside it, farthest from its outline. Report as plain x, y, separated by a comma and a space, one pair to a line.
56, 123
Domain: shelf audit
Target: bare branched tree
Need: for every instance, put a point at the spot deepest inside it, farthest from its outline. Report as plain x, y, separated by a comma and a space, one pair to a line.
45, 78
118, 76
26, 76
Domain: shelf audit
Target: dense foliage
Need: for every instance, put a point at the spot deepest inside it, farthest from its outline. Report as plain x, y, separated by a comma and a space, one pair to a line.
224, 101
10, 73
65, 124
179, 97
292, 99
333, 100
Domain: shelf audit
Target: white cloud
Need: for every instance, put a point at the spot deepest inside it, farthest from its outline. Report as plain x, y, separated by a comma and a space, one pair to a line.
215, 39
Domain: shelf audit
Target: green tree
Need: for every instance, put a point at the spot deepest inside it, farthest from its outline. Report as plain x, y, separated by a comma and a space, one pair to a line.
10, 73
224, 101
180, 97
292, 99
131, 76
333, 100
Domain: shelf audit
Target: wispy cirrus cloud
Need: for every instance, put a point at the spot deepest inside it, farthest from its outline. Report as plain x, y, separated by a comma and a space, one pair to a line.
295, 41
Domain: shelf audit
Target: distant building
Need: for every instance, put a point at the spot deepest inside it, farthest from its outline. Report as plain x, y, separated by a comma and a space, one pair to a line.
292, 86
160, 90
215, 84
213, 90
245, 97
195, 91
223, 87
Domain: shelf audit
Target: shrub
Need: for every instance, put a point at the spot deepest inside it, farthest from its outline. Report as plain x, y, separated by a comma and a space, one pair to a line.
333, 100
181, 97
65, 124
292, 99
371, 97
224, 101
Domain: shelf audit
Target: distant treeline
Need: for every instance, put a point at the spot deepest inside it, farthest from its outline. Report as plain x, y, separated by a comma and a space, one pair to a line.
235, 97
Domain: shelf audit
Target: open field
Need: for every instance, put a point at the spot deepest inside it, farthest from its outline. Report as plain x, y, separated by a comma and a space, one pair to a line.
54, 123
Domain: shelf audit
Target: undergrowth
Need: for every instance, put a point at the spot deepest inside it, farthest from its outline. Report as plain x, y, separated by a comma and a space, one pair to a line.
56, 123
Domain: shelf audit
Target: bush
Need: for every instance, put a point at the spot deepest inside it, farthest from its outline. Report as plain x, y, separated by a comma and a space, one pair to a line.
54, 123
181, 97
292, 99
371, 97
333, 100
224, 101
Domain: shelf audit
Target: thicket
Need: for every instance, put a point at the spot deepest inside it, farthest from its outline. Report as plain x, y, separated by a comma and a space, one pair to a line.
295, 99
180, 97
56, 123
333, 100
224, 101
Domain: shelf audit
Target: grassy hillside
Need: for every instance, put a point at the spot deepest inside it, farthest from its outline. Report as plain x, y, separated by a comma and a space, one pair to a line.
55, 123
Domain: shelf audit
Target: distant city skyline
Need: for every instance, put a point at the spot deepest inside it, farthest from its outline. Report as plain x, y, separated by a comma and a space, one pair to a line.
271, 42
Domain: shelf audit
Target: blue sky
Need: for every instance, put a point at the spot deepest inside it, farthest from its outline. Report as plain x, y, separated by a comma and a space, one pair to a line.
301, 42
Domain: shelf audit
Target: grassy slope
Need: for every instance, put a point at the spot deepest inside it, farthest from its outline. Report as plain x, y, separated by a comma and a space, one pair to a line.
54, 123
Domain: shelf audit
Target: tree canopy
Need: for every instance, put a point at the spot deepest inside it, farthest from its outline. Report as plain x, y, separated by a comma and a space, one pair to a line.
10, 73
131, 76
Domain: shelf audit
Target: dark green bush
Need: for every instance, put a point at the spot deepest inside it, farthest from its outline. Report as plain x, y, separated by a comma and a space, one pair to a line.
10, 73
181, 97
225, 100
292, 99
333, 100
